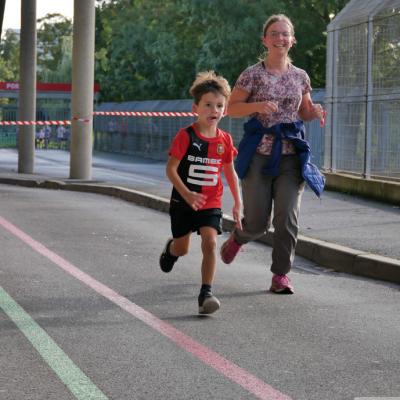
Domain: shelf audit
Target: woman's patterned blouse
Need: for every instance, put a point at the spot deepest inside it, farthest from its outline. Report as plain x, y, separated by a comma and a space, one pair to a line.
285, 90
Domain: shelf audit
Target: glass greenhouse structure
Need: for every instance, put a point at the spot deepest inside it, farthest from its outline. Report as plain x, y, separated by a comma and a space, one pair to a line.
362, 134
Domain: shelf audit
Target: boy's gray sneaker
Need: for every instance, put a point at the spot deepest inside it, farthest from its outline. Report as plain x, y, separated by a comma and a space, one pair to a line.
208, 303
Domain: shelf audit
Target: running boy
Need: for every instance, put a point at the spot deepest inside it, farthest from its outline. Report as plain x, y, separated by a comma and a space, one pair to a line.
196, 157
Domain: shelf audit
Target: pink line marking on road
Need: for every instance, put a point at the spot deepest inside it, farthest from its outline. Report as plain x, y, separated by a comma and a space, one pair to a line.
227, 368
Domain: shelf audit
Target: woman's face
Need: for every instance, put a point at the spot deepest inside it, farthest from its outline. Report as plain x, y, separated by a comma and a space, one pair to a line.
278, 38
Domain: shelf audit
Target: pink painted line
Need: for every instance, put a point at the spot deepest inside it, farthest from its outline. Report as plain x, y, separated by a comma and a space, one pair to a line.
227, 368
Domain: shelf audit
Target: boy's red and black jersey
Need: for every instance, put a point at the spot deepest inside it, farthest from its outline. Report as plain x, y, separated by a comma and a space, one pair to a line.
201, 162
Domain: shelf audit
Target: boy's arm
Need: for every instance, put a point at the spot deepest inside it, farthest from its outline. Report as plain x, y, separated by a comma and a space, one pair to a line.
233, 182
194, 199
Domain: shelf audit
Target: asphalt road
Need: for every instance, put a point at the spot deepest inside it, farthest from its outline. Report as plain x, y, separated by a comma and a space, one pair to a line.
358, 223
99, 320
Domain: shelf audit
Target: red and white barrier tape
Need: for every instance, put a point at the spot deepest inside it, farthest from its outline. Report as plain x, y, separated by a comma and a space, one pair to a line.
103, 113
146, 113
25, 123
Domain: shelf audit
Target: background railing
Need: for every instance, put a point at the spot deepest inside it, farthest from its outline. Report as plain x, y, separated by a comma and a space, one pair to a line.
152, 136
145, 136
363, 90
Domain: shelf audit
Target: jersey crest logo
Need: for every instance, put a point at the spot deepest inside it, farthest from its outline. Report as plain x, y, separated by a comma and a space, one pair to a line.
220, 148
198, 145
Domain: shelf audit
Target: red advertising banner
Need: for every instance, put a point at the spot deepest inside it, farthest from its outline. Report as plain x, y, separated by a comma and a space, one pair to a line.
45, 87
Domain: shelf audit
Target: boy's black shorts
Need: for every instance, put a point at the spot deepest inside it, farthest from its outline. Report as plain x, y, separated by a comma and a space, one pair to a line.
185, 220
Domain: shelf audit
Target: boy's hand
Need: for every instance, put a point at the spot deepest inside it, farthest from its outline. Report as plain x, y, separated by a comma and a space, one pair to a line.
195, 200
237, 215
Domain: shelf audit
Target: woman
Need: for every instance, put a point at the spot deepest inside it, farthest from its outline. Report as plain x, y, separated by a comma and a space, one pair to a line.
273, 159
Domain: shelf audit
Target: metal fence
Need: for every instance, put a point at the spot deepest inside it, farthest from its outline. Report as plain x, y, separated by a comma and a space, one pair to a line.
45, 112
148, 137
151, 136
363, 90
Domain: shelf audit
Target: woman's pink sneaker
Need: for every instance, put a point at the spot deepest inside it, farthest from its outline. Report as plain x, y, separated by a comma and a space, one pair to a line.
229, 250
281, 285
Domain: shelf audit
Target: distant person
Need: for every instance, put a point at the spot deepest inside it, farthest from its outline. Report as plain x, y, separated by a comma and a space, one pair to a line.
37, 139
196, 158
273, 160
124, 127
47, 136
112, 126
40, 138
61, 136
67, 134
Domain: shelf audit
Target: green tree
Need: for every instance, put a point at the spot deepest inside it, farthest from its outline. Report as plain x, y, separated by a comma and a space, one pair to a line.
125, 65
9, 57
53, 31
63, 72
157, 54
153, 49
232, 33
311, 18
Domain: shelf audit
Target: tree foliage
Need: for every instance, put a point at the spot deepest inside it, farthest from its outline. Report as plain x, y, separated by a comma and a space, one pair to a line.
9, 57
63, 70
152, 49
54, 38
311, 19
54, 51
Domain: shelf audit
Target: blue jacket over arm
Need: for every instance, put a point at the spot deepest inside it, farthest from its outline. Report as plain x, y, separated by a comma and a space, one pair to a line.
293, 131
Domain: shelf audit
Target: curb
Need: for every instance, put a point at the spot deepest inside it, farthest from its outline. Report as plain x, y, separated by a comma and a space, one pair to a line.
381, 190
333, 256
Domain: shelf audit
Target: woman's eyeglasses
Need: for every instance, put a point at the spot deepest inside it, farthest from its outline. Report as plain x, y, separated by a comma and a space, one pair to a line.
275, 34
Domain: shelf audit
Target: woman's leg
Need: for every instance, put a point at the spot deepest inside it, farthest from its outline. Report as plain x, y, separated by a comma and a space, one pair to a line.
288, 188
257, 202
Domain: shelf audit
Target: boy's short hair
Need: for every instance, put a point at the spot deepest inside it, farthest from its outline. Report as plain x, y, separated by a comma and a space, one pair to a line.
209, 81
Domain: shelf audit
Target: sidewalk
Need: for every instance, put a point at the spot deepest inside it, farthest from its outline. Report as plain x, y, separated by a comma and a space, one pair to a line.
339, 232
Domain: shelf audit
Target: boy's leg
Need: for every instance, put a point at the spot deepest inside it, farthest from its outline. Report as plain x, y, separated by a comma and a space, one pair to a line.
174, 248
209, 250
208, 303
180, 246
182, 221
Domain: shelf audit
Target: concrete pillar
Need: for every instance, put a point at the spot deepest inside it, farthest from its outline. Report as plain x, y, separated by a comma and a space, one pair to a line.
82, 89
27, 87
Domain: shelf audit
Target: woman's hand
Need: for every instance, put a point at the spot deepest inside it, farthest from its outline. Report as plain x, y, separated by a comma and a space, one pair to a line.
316, 111
239, 107
266, 107
309, 111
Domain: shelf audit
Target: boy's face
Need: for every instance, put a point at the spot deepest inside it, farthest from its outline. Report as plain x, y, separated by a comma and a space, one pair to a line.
210, 109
